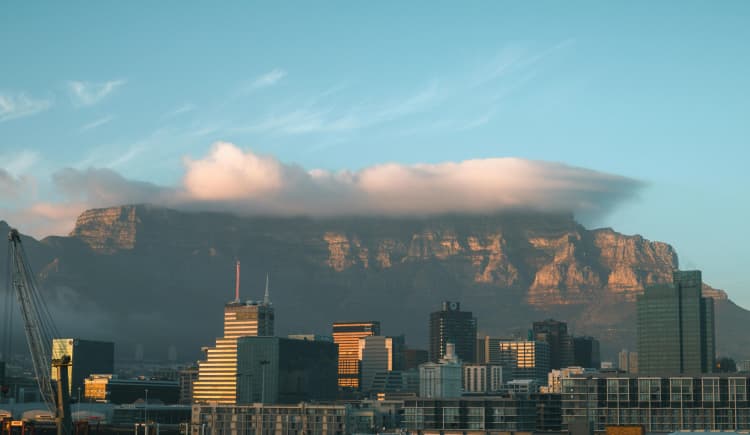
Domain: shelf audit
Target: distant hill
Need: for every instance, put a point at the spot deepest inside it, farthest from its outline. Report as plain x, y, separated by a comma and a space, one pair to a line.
143, 274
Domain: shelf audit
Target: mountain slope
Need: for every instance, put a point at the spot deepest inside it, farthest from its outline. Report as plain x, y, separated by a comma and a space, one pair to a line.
141, 274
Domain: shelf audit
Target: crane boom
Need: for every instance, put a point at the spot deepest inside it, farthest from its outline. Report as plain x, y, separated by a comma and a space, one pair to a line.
40, 330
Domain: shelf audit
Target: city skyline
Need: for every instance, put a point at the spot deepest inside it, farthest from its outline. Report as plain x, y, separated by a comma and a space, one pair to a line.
637, 126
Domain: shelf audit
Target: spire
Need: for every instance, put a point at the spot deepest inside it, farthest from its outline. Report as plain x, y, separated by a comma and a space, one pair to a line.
266, 296
237, 283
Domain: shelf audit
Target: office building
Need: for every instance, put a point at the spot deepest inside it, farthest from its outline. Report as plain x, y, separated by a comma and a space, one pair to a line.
379, 354
111, 389
555, 377
470, 415
441, 379
346, 335
676, 327
586, 352
450, 324
555, 333
659, 404
283, 370
483, 378
217, 374
524, 359
87, 357
310, 337
396, 381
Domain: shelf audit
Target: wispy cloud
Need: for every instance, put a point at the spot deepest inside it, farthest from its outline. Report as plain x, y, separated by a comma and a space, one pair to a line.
19, 105
185, 108
97, 123
268, 79
88, 93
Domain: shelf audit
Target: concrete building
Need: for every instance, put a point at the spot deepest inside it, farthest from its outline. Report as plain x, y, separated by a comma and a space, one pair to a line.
87, 357
283, 370
555, 333
378, 354
217, 374
482, 378
186, 378
442, 379
111, 389
676, 327
470, 415
659, 404
450, 324
555, 377
346, 335
261, 419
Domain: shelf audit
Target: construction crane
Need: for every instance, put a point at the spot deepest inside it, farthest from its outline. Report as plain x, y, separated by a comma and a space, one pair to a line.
40, 332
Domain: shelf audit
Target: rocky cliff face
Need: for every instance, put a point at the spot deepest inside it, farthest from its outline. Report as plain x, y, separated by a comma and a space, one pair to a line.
134, 270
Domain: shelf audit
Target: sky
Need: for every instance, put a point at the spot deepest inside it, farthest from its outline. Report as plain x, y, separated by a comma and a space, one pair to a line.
632, 115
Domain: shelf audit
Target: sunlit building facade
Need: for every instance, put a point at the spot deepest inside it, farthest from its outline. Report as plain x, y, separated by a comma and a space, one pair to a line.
217, 374
346, 335
87, 357
525, 359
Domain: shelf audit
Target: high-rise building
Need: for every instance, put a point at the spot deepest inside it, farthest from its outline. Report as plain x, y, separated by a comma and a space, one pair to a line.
87, 357
186, 378
285, 370
217, 374
346, 335
378, 354
414, 357
676, 327
524, 359
555, 333
586, 352
443, 378
450, 324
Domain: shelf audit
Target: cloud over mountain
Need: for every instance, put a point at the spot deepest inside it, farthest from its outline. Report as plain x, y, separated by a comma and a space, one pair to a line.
231, 179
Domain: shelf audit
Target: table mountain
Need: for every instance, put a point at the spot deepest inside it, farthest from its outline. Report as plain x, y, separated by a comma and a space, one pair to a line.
156, 276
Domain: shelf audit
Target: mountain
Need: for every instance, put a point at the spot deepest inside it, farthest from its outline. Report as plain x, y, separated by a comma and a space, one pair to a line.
159, 277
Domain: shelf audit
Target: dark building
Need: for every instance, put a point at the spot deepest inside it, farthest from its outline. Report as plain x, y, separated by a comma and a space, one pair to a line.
586, 352
414, 357
555, 333
111, 389
283, 370
676, 327
450, 324
548, 412
87, 357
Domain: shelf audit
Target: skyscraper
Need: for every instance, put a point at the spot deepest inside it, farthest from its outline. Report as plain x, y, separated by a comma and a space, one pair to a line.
346, 335
586, 352
676, 327
524, 359
555, 333
217, 375
377, 354
450, 324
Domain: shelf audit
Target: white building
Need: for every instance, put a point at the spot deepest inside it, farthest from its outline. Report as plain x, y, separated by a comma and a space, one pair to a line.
483, 378
555, 377
442, 379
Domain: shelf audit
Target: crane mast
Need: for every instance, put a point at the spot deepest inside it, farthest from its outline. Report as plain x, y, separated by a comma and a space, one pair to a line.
40, 332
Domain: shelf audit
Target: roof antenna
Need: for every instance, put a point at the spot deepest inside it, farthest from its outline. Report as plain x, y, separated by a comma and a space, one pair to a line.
266, 296
237, 283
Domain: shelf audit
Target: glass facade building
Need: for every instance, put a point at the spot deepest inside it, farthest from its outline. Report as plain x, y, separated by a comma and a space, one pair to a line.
87, 357
676, 327
346, 335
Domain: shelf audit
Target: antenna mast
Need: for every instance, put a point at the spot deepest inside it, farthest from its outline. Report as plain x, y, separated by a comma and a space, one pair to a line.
266, 296
237, 283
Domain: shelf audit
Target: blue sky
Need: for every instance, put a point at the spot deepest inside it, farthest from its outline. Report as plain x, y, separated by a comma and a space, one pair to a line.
654, 91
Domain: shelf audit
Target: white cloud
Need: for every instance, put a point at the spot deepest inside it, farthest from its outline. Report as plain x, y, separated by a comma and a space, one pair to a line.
234, 180
185, 108
19, 105
11, 187
268, 79
88, 93
97, 123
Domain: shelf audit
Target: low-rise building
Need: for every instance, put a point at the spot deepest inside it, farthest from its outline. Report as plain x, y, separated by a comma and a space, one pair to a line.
111, 389
259, 418
488, 414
